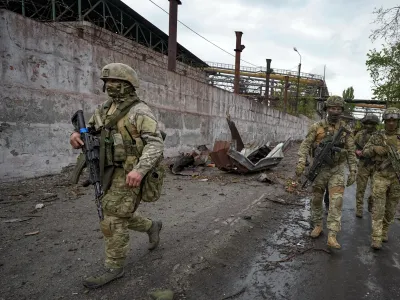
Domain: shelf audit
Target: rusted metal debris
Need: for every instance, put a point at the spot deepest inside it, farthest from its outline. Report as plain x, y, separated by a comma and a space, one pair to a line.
233, 156
196, 158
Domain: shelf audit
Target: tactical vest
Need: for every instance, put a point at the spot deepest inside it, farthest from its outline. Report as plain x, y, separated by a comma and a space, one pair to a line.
325, 133
383, 162
120, 141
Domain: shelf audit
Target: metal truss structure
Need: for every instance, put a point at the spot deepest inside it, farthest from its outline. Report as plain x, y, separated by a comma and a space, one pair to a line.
252, 81
112, 15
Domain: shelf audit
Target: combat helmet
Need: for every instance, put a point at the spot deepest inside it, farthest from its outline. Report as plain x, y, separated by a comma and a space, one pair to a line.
370, 118
121, 72
391, 113
334, 101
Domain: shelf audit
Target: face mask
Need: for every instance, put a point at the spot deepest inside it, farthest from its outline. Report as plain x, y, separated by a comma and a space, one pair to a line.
118, 90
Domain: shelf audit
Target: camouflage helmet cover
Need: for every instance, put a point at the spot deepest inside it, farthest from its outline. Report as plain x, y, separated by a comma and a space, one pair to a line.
391, 113
370, 118
121, 72
334, 101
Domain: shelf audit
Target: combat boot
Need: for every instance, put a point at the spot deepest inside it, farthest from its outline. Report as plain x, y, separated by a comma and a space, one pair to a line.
376, 244
332, 242
103, 277
316, 231
154, 234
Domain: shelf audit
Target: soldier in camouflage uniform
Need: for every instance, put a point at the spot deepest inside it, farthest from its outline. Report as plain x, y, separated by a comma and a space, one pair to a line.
385, 184
133, 149
365, 166
333, 177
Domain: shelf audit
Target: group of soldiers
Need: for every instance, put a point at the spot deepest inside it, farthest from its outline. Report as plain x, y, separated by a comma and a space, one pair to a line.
131, 150
377, 155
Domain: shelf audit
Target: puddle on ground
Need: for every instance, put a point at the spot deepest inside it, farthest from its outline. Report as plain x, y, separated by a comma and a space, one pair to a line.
269, 277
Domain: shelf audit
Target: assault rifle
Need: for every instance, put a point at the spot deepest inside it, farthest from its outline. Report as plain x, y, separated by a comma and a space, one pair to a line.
394, 158
323, 156
91, 150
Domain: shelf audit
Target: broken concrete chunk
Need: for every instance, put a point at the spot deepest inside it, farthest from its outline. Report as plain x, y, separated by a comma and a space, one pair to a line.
39, 206
32, 233
265, 178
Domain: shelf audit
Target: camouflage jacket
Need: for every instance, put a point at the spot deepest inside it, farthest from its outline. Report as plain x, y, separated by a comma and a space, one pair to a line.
316, 135
362, 138
379, 138
139, 124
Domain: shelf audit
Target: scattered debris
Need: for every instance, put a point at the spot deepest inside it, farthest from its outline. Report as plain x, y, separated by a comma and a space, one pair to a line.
291, 186
281, 201
198, 157
16, 220
234, 156
39, 206
265, 178
247, 217
204, 180
32, 233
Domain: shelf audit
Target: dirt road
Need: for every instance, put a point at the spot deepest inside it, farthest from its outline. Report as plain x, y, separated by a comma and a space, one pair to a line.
211, 231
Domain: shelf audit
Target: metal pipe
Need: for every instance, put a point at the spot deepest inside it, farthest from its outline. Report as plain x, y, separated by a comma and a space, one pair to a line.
80, 9
298, 80
239, 48
172, 39
23, 7
53, 9
104, 14
285, 94
267, 77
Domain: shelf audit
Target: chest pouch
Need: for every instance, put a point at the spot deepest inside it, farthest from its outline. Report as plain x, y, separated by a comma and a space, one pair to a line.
119, 148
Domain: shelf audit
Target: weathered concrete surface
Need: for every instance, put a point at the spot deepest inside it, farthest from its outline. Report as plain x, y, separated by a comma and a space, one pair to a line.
49, 71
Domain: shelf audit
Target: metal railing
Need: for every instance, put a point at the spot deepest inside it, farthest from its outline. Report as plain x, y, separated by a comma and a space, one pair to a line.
264, 69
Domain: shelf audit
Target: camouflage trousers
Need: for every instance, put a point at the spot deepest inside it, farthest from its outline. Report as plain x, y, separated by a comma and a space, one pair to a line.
386, 195
119, 206
334, 179
363, 174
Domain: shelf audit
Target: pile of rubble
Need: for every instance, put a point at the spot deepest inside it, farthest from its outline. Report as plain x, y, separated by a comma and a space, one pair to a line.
231, 156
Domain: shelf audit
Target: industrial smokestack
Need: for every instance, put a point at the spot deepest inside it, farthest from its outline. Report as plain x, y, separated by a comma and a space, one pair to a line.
267, 78
238, 50
173, 25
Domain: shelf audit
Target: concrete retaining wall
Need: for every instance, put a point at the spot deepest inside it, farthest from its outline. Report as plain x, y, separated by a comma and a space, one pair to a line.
48, 72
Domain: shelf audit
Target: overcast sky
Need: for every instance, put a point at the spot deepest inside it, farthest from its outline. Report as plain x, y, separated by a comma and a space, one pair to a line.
334, 33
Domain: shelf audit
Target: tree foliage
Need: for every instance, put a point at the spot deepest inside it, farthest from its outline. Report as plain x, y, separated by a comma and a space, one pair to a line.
384, 69
348, 94
388, 21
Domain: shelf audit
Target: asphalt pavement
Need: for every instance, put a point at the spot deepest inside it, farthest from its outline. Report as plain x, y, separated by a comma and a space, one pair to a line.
354, 272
